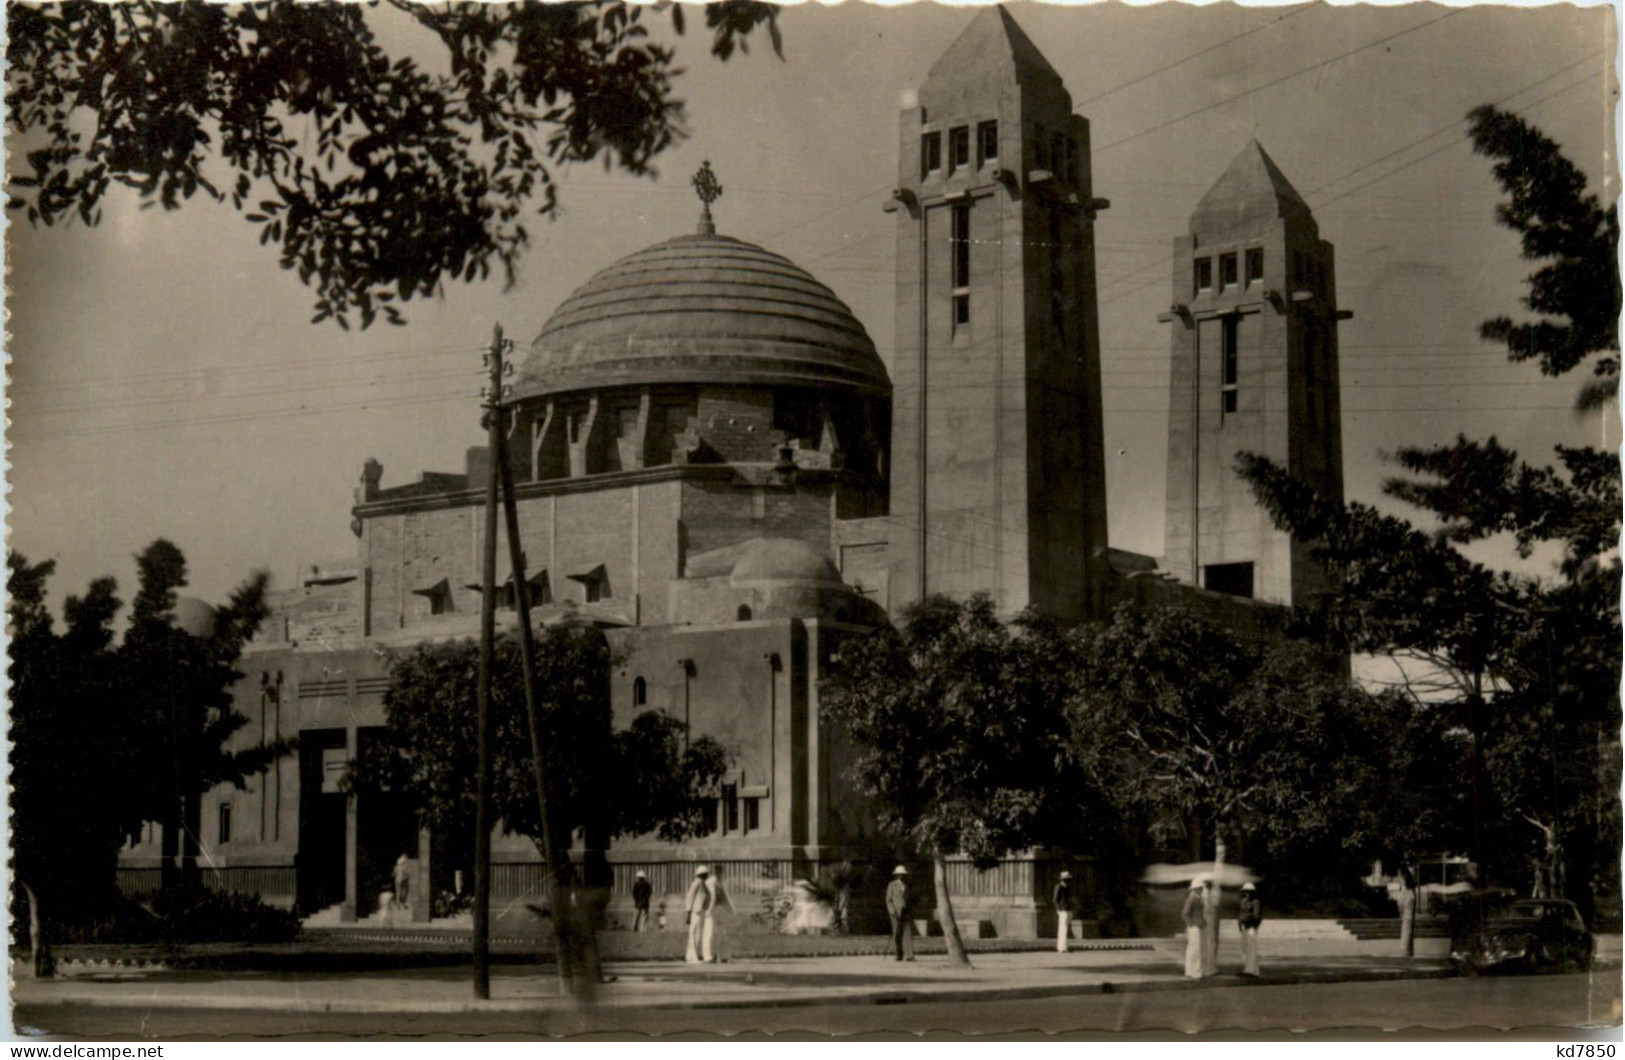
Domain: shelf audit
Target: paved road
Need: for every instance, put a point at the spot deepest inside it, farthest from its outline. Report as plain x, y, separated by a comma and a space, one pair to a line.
1572, 1000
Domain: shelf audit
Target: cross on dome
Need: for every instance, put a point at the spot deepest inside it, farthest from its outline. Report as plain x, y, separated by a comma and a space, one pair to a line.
709, 191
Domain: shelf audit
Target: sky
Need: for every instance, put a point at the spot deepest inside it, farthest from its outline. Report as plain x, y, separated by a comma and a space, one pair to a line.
165, 381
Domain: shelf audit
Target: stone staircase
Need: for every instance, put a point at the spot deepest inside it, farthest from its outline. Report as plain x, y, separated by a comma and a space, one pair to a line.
1381, 928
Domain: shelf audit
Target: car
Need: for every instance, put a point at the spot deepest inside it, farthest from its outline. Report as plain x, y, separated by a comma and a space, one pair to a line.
1524, 935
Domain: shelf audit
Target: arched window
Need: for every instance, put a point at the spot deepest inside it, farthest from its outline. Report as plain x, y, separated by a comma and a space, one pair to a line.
640, 692
744, 612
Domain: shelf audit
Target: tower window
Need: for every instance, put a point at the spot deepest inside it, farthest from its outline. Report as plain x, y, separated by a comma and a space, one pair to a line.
1071, 160
987, 141
1204, 274
1228, 390
1227, 271
930, 153
960, 239
224, 829
1311, 389
744, 613
1040, 148
958, 148
730, 808
1297, 269
1057, 151
1232, 579
640, 692
1255, 265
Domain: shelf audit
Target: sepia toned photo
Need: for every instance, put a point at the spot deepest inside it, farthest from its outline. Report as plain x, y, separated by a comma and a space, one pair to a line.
633, 520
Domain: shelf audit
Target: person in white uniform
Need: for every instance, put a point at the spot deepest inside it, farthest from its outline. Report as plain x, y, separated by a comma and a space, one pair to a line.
699, 905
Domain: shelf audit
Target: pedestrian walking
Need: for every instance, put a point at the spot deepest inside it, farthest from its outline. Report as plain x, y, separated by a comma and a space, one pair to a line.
897, 907
1194, 914
642, 891
700, 903
1063, 913
1249, 917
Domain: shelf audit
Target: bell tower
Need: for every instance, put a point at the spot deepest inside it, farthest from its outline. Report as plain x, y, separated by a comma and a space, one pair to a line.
998, 479
1255, 369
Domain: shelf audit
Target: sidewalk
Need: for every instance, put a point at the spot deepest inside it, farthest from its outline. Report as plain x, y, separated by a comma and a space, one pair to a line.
737, 984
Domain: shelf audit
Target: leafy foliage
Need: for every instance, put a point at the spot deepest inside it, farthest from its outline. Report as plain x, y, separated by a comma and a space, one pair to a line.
1194, 734
377, 176
953, 743
634, 781
105, 737
1567, 228
178, 689
1529, 667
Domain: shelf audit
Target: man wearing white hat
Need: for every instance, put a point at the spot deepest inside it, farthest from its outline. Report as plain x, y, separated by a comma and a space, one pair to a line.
1250, 916
702, 899
1063, 913
897, 907
1194, 914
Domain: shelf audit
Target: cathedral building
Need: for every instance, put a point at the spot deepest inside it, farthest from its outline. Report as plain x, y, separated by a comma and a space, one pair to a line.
713, 465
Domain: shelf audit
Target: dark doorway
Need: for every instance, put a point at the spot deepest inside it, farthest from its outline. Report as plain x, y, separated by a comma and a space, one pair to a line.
320, 863
386, 827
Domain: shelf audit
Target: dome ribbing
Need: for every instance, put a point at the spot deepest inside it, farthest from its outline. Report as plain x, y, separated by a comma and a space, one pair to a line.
701, 309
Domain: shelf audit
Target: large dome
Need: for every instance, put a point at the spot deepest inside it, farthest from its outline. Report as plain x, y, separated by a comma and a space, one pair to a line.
701, 309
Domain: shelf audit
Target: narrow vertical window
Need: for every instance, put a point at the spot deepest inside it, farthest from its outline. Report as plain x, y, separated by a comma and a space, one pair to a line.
960, 240
1057, 276
1057, 153
1204, 274
958, 148
1229, 368
753, 815
1311, 381
640, 692
1297, 270
730, 808
987, 141
1227, 271
1071, 160
224, 830
930, 154
1255, 265
1040, 148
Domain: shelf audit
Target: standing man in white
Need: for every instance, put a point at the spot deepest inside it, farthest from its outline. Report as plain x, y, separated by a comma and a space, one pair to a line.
701, 901
1063, 913
1194, 914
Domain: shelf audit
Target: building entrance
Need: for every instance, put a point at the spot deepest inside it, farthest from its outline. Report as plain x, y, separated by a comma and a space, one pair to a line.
320, 863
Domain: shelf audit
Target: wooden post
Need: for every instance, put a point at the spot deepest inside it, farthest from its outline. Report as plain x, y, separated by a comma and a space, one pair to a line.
482, 806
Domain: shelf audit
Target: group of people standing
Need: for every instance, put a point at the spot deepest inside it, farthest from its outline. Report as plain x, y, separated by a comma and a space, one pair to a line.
1201, 916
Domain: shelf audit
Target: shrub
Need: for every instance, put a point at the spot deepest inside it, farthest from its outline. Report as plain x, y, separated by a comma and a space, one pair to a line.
194, 915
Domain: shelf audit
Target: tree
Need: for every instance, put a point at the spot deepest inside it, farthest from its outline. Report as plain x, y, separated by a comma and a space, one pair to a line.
1529, 667
65, 825
416, 169
430, 742
105, 737
1195, 736
178, 686
1563, 226
956, 744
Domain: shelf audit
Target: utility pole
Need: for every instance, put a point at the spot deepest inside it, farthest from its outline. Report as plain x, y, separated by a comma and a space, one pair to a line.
574, 978
482, 806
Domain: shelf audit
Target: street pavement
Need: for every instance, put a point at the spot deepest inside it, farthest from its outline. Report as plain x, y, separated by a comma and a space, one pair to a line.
739, 983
